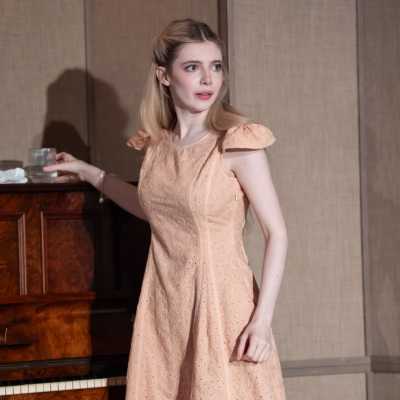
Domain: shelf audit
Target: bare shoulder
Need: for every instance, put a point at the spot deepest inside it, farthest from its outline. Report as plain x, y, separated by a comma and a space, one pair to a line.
252, 161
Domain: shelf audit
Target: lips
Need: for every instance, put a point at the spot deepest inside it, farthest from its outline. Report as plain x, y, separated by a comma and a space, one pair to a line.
204, 95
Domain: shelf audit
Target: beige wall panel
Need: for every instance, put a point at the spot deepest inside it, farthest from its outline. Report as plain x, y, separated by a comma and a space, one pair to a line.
42, 63
380, 139
119, 38
330, 387
294, 68
386, 387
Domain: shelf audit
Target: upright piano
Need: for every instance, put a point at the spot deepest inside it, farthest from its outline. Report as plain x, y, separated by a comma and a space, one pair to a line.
71, 270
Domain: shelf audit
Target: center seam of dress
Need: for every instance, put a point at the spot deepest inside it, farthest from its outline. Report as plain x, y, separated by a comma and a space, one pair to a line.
205, 254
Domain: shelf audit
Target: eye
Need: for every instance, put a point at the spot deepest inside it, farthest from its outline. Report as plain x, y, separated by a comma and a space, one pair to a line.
218, 67
189, 67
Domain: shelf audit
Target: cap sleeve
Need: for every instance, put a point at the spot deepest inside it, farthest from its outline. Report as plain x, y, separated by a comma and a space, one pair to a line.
248, 136
139, 140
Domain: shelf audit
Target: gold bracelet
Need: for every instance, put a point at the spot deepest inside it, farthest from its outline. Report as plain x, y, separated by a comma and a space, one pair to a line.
99, 185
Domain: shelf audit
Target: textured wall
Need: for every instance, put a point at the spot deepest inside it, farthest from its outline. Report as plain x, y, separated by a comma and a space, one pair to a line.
74, 71
119, 38
299, 77
379, 59
380, 125
42, 69
295, 69
330, 387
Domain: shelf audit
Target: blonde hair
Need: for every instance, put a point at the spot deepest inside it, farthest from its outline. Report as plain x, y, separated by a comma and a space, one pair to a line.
157, 110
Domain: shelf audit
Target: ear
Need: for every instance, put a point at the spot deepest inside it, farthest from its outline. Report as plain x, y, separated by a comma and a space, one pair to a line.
162, 75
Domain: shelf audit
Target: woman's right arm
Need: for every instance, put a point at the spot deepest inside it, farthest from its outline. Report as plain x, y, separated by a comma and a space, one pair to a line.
122, 193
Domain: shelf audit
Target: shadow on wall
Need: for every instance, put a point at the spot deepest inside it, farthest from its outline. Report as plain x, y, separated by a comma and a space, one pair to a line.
77, 103
81, 111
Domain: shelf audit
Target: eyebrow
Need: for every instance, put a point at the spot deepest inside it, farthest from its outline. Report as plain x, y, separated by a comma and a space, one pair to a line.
199, 62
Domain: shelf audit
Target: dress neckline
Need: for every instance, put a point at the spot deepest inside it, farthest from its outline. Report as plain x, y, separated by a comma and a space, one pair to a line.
188, 145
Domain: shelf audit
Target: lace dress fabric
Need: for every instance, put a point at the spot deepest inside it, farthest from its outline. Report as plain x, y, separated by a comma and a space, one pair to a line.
198, 291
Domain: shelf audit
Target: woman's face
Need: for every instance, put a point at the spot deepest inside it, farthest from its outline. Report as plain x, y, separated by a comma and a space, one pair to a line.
196, 76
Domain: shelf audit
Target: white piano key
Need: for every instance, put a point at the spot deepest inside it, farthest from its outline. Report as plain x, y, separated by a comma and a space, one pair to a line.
97, 382
75, 385
64, 385
39, 388
24, 389
84, 384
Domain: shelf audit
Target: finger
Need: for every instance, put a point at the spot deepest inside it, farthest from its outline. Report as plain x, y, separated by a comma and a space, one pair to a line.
267, 353
53, 167
63, 179
66, 157
68, 178
263, 356
62, 166
242, 344
60, 155
259, 352
250, 353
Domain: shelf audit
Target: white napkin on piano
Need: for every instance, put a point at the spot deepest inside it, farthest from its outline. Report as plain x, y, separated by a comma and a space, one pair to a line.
15, 175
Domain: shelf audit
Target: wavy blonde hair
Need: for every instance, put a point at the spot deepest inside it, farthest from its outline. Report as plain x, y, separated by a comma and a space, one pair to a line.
157, 110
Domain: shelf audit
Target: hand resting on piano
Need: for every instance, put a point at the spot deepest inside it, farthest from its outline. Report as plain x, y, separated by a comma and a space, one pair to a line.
122, 193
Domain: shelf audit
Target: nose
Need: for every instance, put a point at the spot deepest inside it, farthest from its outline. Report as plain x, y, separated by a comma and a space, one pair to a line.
206, 77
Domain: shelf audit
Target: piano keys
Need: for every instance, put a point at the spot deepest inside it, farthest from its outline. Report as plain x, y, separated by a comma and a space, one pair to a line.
61, 386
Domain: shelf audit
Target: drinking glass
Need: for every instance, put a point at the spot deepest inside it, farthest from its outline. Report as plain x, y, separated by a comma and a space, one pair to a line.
38, 158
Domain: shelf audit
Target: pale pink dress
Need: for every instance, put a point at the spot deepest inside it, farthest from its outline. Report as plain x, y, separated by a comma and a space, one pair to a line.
198, 290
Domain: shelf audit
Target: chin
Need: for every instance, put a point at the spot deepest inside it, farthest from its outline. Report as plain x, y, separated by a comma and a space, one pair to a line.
198, 109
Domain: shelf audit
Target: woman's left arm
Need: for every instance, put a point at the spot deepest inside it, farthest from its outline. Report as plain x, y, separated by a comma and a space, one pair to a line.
252, 170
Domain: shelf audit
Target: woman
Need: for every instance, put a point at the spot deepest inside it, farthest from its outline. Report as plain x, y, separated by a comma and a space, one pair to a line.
202, 328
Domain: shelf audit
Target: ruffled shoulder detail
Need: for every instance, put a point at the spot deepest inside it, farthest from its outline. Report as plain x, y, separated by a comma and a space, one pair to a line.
139, 140
247, 136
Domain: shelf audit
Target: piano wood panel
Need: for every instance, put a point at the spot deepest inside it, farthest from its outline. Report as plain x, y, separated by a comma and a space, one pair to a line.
44, 331
12, 254
58, 243
72, 315
69, 246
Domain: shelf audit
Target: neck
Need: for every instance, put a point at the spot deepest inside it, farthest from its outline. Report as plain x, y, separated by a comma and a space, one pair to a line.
190, 124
